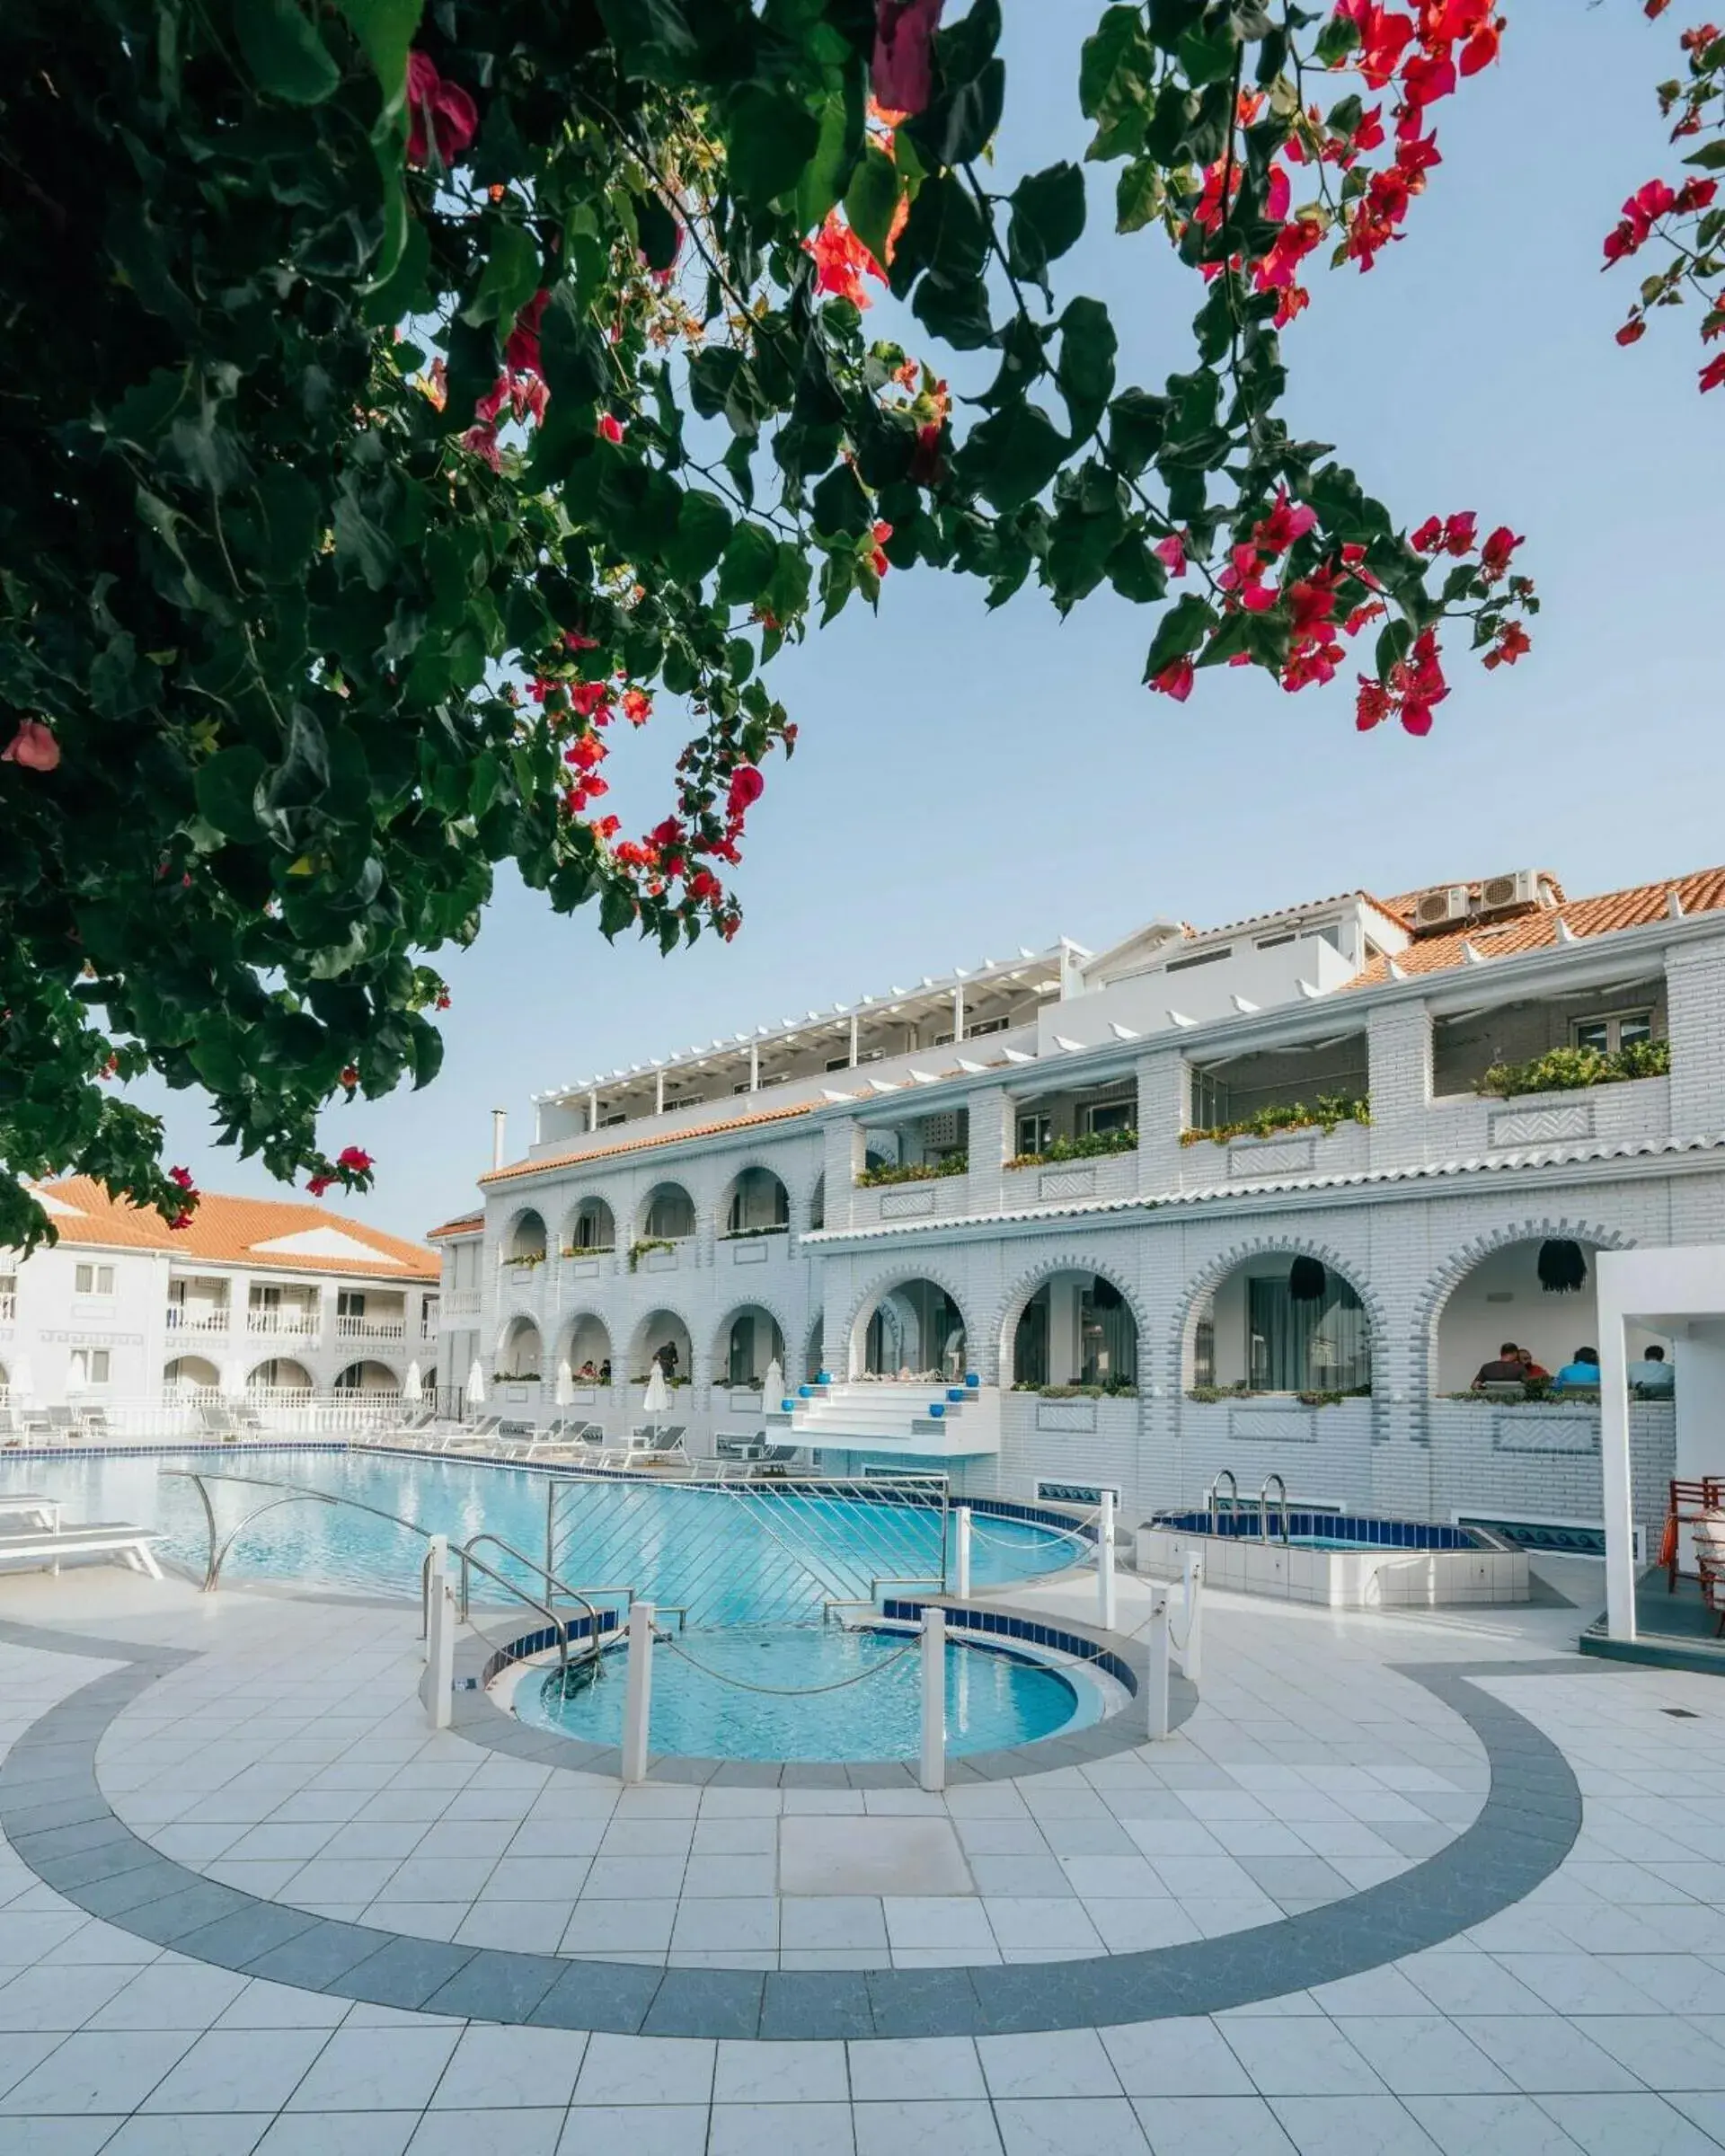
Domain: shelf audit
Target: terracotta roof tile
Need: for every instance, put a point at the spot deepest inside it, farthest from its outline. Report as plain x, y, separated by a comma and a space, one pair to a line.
228, 1231
468, 1224
1641, 904
670, 1138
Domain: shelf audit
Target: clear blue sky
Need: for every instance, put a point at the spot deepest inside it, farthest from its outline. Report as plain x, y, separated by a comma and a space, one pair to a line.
968, 782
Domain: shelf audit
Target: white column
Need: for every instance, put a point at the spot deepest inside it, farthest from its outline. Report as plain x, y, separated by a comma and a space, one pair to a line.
754, 1067
592, 1109
638, 1698
958, 1013
659, 1092
437, 1566
1105, 1563
933, 1773
961, 1552
1157, 1717
853, 1022
1614, 1456
439, 1683
1194, 1616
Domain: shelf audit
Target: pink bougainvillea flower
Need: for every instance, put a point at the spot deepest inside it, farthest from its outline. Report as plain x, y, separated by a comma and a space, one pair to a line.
33, 746
746, 787
482, 441
842, 262
351, 1157
522, 350
1171, 552
903, 69
439, 113
1285, 523
182, 1177
1494, 555
610, 427
637, 706
1175, 680
318, 1184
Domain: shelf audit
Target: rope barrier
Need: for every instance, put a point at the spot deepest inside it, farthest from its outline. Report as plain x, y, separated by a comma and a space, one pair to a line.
784, 1691
1009, 1541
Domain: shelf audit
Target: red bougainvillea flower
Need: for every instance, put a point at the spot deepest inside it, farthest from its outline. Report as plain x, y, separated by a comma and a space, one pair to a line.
182, 1178
33, 746
1511, 643
318, 1184
637, 706
1285, 523
482, 441
1175, 680
522, 350
442, 1002
842, 261
351, 1157
705, 885
1171, 552
882, 532
1494, 555
181, 1220
746, 787
438, 112
591, 699
610, 427
902, 70
351, 1076
1712, 375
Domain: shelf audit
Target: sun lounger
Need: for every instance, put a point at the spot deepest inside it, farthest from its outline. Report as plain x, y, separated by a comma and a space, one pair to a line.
36, 1513
134, 1546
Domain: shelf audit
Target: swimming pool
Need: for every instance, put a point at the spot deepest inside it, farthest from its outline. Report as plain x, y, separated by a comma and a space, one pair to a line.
727, 1559
995, 1699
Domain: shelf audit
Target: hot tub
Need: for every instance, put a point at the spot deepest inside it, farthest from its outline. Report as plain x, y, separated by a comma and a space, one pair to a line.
1340, 1560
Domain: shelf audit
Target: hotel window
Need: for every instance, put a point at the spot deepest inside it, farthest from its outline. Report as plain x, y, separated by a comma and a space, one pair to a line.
1102, 1115
1035, 1133
1621, 1029
350, 1303
90, 1366
94, 1280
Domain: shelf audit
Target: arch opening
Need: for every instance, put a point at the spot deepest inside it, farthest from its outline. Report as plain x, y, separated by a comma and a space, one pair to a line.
191, 1373
661, 1337
280, 1373
749, 1339
1077, 1329
757, 1204
520, 1353
913, 1330
591, 1228
369, 1377
1501, 1302
667, 1214
586, 1351
524, 1245
812, 1365
1281, 1322
818, 1202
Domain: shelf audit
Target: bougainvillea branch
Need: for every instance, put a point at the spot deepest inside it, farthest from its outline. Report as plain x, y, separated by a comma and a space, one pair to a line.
455, 398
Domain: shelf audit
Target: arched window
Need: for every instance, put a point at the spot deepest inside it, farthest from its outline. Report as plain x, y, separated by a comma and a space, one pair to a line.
757, 1204
1282, 1322
524, 1245
667, 1214
592, 1227
749, 1339
1076, 1330
661, 1337
522, 1352
914, 1329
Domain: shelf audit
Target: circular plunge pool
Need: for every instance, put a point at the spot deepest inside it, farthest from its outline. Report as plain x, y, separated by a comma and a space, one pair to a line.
995, 1698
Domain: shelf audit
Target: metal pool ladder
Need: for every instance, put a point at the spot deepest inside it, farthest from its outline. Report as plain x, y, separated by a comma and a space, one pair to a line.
1263, 1507
1213, 1498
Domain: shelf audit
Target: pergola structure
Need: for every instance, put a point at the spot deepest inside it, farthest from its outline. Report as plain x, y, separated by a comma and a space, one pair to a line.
1680, 1291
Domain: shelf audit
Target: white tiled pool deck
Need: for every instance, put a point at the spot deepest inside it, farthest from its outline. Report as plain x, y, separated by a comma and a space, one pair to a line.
291, 1760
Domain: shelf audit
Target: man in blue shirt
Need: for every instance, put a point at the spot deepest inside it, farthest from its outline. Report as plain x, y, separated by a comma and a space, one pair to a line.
1582, 1375
1652, 1374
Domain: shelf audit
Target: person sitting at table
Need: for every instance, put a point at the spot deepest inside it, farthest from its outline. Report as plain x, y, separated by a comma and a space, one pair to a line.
1505, 1370
1652, 1372
1579, 1375
588, 1373
605, 1370
1530, 1369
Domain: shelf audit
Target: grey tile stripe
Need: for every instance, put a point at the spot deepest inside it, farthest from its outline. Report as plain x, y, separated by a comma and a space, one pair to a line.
53, 1813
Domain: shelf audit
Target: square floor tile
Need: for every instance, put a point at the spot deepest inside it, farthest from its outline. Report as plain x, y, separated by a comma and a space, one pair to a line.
953, 2128
635, 2130
1212, 2125
769, 2073
788, 2129
503, 2068
1096, 2125
915, 2068
1060, 2063
1181, 2057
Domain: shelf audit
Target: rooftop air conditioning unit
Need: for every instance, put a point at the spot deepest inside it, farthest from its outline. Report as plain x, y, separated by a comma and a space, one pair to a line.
1498, 894
1437, 909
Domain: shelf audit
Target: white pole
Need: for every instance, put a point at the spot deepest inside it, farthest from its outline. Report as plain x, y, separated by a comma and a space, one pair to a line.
638, 1698
1194, 1613
962, 1530
439, 1683
1616, 1486
1156, 1673
933, 1764
1105, 1563
437, 1567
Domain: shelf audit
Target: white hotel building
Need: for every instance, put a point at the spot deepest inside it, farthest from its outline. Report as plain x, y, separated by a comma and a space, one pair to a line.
1008, 1174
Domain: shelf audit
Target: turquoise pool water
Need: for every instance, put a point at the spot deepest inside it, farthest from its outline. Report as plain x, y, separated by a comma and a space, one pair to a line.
993, 1699
673, 1545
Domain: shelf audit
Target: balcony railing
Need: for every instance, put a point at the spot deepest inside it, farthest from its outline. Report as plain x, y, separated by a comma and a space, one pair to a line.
8, 1309
371, 1328
195, 1320
284, 1324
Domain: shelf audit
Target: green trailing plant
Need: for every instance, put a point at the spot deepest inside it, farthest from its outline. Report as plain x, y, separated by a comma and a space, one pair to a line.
1114, 1389
1325, 1114
515, 1377
1092, 1145
913, 1171
393, 395
780, 1228
1573, 1070
526, 1261
642, 1244
587, 1250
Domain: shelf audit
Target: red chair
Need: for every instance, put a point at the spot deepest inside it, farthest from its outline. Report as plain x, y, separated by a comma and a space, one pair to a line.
1689, 1502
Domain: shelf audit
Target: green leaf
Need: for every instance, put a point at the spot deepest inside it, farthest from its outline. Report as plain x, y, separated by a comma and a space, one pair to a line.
1085, 372
1181, 630
823, 177
871, 202
961, 121
1709, 156
510, 279
1138, 195
749, 560
786, 593
702, 528
841, 505
386, 29
770, 137
1137, 422
286, 56
1134, 572
1114, 82
402, 291
1048, 216
1011, 457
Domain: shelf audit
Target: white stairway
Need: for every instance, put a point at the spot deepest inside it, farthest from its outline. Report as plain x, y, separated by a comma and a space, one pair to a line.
921, 1420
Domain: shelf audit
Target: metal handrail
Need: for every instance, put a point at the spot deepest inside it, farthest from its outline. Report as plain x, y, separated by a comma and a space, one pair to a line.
1263, 1507
464, 1552
1214, 1497
292, 1492
544, 1609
